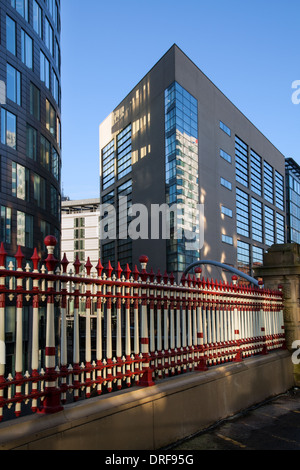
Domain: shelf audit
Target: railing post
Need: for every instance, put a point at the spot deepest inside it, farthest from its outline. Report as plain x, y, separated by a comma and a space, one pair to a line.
51, 403
2, 327
146, 379
237, 336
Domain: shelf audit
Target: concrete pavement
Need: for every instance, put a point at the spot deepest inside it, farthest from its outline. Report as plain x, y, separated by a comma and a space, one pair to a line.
272, 425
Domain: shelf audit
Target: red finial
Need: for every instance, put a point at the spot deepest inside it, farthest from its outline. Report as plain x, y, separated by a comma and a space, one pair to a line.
88, 266
64, 262
127, 272
119, 270
99, 268
19, 257
109, 269
77, 265
35, 259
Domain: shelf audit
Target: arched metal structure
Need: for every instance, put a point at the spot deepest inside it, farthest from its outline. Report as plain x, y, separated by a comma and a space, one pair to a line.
223, 266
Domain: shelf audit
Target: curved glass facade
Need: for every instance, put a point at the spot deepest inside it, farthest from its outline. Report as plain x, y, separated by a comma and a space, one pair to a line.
30, 122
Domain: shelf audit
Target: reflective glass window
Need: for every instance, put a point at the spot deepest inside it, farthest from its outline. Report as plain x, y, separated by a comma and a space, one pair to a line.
269, 226
225, 128
257, 220
8, 129
35, 101
44, 69
124, 152
20, 181
280, 228
225, 155
257, 256
242, 213
243, 256
226, 183
268, 183
10, 35
37, 18
256, 173
13, 84
5, 224
108, 165
26, 49
279, 190
241, 162
31, 142
21, 6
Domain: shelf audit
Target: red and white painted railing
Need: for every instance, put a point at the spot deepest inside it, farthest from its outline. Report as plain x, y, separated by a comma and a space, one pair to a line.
145, 328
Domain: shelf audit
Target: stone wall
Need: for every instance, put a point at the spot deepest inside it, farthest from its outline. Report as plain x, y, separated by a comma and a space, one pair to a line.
281, 266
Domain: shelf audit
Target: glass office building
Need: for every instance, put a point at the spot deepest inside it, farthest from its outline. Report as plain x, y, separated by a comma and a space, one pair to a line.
190, 147
30, 122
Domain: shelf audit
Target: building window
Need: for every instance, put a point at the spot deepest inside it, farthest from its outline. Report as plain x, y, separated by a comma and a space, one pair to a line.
49, 36
57, 55
8, 129
226, 183
31, 142
24, 229
54, 202
257, 256
55, 90
37, 18
39, 190
50, 6
280, 228
268, 183
241, 162
21, 6
269, 226
256, 173
227, 239
55, 164
20, 181
50, 118
257, 220
242, 213
243, 256
26, 49
226, 211
225, 155
108, 165
225, 128
5, 224
58, 132
108, 253
45, 152
44, 69
13, 87
124, 152
10, 35
279, 191
34, 101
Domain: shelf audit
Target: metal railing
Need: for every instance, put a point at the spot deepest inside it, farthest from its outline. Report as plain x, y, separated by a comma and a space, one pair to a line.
122, 328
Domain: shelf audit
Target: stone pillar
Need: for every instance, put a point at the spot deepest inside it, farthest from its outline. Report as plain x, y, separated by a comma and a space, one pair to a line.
281, 266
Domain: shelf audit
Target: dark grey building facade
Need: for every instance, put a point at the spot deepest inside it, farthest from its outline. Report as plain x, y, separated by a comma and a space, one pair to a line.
176, 139
30, 121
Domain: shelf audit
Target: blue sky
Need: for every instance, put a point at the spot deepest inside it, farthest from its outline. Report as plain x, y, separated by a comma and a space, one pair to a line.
249, 49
